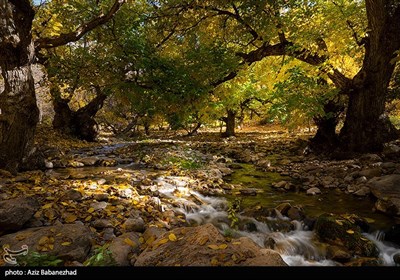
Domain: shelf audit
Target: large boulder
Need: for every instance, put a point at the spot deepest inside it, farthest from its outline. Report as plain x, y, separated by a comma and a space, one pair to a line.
387, 190
14, 213
344, 231
69, 242
123, 246
204, 246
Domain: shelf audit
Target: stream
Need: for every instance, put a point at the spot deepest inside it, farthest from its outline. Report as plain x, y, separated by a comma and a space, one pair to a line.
296, 246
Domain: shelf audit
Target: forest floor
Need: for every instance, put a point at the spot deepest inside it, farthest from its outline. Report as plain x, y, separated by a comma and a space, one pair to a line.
133, 198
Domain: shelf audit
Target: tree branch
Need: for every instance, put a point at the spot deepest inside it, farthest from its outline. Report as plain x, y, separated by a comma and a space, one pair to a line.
46, 43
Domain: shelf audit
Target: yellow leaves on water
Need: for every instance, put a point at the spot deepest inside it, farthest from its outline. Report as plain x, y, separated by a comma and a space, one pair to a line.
130, 242
172, 237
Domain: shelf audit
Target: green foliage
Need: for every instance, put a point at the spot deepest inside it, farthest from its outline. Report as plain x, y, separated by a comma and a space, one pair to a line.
38, 259
299, 98
233, 210
184, 163
102, 257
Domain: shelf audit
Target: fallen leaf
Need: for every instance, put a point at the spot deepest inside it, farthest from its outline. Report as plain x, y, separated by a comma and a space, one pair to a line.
350, 231
130, 242
47, 206
236, 243
213, 246
51, 246
43, 240
339, 222
70, 218
172, 237
88, 218
90, 210
222, 246
65, 243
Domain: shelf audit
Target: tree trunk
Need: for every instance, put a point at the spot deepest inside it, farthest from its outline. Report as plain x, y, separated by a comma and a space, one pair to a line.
326, 138
230, 121
366, 126
80, 124
19, 113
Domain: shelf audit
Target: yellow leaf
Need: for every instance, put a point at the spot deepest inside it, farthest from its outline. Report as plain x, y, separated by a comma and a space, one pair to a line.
43, 240
213, 246
64, 203
162, 241
90, 210
369, 220
53, 230
65, 243
130, 242
51, 246
236, 243
214, 261
141, 240
339, 222
48, 205
350, 231
88, 218
222, 246
70, 218
58, 234
172, 237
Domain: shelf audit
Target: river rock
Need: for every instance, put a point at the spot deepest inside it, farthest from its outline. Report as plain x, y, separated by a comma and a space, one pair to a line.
341, 231
102, 223
123, 246
393, 234
205, 246
69, 241
313, 191
364, 262
152, 233
387, 190
101, 196
73, 195
396, 258
248, 192
338, 253
280, 185
89, 161
363, 191
14, 213
371, 172
134, 224
370, 158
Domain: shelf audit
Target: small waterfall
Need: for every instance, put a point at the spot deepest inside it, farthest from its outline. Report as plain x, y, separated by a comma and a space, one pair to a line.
386, 249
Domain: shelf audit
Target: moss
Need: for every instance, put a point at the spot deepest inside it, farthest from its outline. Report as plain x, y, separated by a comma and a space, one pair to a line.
341, 230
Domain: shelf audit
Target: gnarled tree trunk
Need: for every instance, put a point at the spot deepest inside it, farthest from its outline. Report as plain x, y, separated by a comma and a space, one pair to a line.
366, 126
19, 113
80, 124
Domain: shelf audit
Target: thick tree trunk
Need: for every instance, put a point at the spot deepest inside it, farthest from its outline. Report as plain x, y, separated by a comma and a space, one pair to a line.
326, 138
366, 126
19, 113
230, 121
80, 124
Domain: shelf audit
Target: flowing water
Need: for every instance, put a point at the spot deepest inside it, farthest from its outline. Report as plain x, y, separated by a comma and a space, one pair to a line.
297, 246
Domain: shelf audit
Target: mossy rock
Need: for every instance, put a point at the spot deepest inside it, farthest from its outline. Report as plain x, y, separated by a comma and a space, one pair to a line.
342, 230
